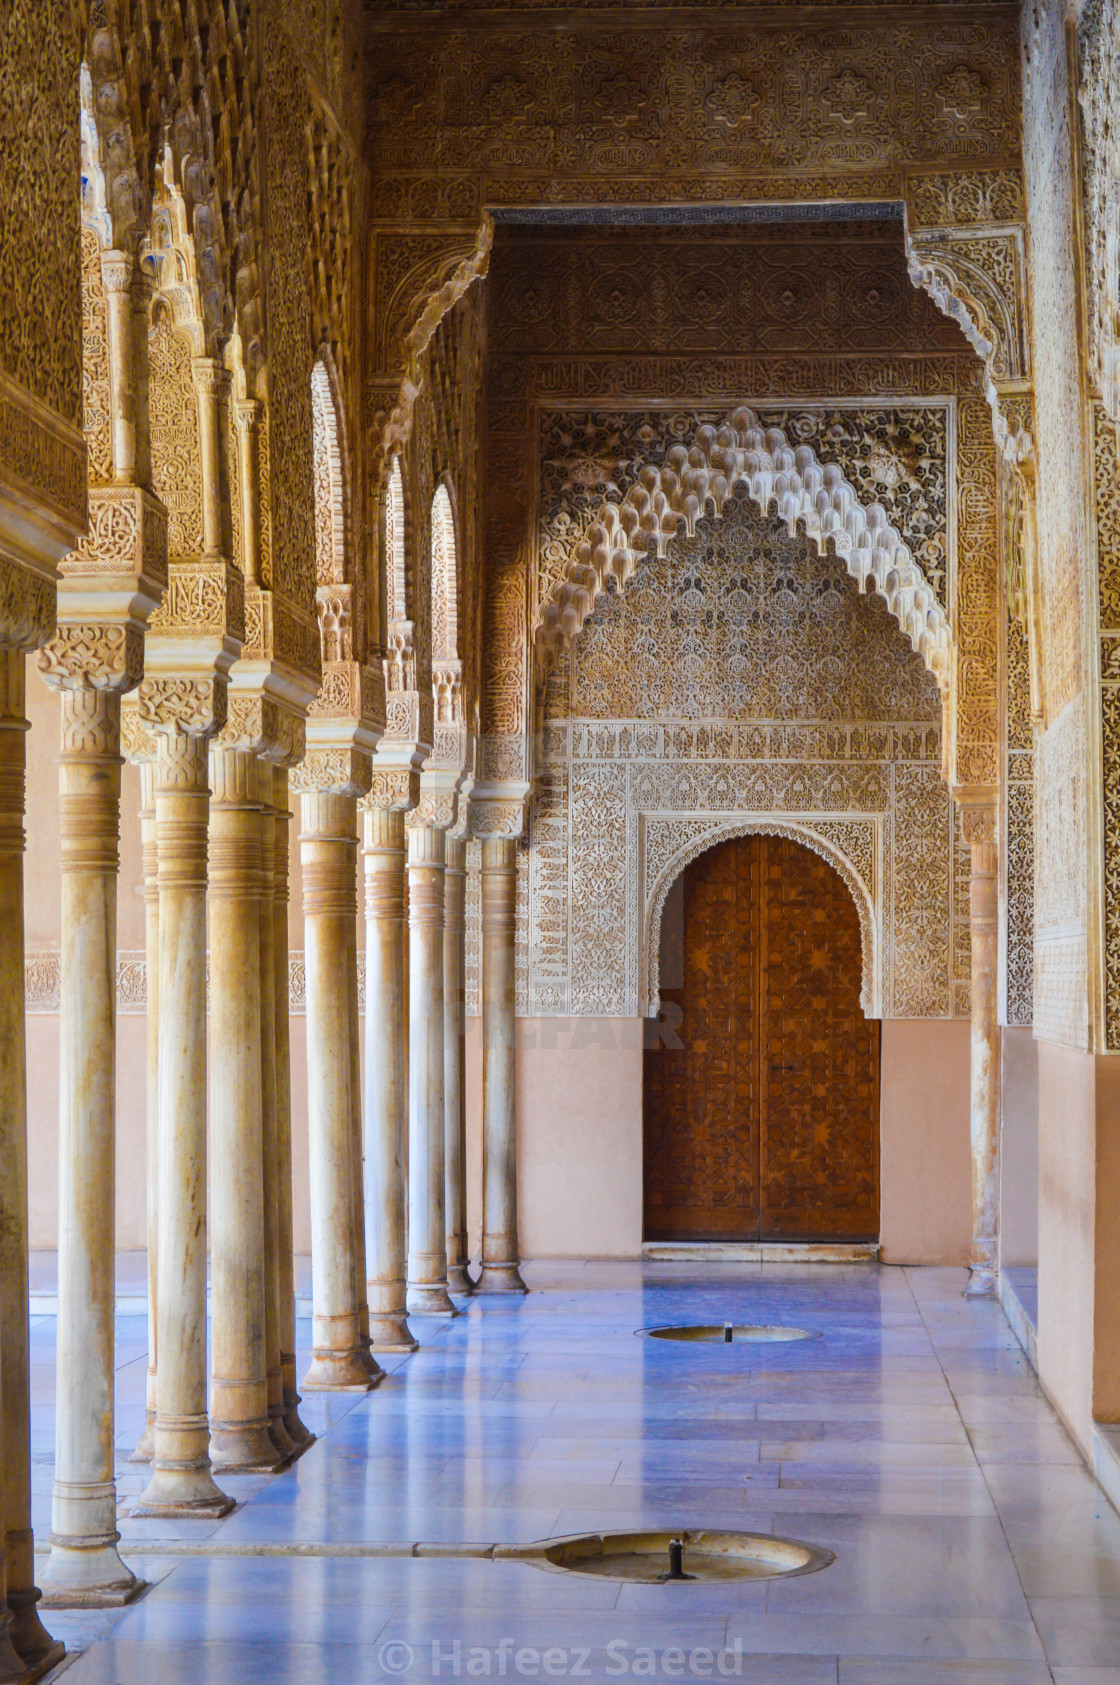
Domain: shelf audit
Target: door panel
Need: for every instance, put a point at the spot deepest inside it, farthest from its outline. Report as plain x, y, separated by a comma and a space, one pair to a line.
764, 1122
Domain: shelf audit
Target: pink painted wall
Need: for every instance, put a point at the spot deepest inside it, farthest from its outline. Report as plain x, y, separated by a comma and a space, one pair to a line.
1067, 1217
925, 1170
579, 1137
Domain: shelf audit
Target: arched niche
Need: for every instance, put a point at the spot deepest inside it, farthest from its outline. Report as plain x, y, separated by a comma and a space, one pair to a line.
696, 838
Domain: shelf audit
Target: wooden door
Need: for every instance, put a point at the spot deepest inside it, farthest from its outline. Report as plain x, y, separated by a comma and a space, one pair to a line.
763, 1122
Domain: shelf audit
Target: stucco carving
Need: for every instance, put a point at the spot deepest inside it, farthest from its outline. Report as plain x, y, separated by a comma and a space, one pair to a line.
791, 482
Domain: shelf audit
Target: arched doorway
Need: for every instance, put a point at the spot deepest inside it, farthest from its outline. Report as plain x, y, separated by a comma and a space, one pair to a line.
761, 1099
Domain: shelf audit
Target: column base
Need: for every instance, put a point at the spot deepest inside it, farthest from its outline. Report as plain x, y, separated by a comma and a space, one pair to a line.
183, 1493
500, 1278
12, 1669
76, 1578
391, 1333
243, 1448
298, 1432
983, 1282
427, 1300
458, 1281
33, 1644
370, 1363
146, 1444
279, 1435
338, 1372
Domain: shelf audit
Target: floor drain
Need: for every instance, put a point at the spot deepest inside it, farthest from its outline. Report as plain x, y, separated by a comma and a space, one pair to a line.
685, 1553
729, 1333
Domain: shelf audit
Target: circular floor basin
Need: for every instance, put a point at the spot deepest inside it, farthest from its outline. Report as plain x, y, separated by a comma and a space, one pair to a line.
708, 1555
740, 1331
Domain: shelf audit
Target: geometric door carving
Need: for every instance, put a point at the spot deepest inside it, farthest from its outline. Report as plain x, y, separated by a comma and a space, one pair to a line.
761, 1107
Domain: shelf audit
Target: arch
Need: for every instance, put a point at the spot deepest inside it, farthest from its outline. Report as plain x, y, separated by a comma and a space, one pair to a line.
792, 483
445, 576
331, 523
96, 380
396, 575
801, 831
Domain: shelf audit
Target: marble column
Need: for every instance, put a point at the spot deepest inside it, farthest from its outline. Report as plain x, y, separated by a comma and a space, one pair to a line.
427, 1240
274, 1375
239, 1424
84, 1569
357, 1150
328, 844
33, 1644
297, 1432
979, 828
181, 1483
383, 856
454, 1058
501, 1271
146, 1445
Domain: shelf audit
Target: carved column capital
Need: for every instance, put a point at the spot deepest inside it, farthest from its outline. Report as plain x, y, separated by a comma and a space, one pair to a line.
979, 812
27, 605
391, 791
343, 771
94, 657
190, 707
498, 810
261, 723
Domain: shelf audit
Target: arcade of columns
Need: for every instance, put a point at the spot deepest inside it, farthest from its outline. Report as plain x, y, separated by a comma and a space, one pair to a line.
240, 523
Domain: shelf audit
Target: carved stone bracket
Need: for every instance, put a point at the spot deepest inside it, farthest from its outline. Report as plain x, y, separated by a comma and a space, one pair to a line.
409, 316
977, 276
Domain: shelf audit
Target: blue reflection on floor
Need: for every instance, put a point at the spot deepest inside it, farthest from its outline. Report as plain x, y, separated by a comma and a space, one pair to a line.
912, 1440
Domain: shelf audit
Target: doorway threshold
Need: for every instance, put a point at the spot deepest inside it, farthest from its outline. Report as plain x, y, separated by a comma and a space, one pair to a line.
755, 1252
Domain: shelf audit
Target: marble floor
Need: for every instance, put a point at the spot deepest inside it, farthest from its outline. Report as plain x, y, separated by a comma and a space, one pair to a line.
910, 1439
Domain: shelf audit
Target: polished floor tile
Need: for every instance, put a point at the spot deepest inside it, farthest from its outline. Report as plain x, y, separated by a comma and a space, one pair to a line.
910, 1439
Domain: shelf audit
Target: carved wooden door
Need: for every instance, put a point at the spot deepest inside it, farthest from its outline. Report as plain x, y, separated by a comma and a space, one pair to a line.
762, 1121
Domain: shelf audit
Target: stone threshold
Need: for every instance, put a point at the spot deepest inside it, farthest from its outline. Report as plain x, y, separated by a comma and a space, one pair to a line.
766, 1252
1018, 1295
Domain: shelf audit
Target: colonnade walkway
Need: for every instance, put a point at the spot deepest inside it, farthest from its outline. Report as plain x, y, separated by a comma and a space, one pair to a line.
910, 1439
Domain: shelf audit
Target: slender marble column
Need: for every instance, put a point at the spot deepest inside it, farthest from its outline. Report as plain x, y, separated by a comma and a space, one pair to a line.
84, 1568
357, 1148
501, 1271
146, 1445
181, 1482
979, 832
239, 1438
454, 1057
297, 1432
427, 1241
383, 854
328, 844
274, 1377
33, 1644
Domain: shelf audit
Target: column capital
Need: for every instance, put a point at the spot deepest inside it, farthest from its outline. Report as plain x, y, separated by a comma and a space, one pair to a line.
94, 657
978, 805
393, 790
265, 725
343, 771
28, 605
498, 810
182, 707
